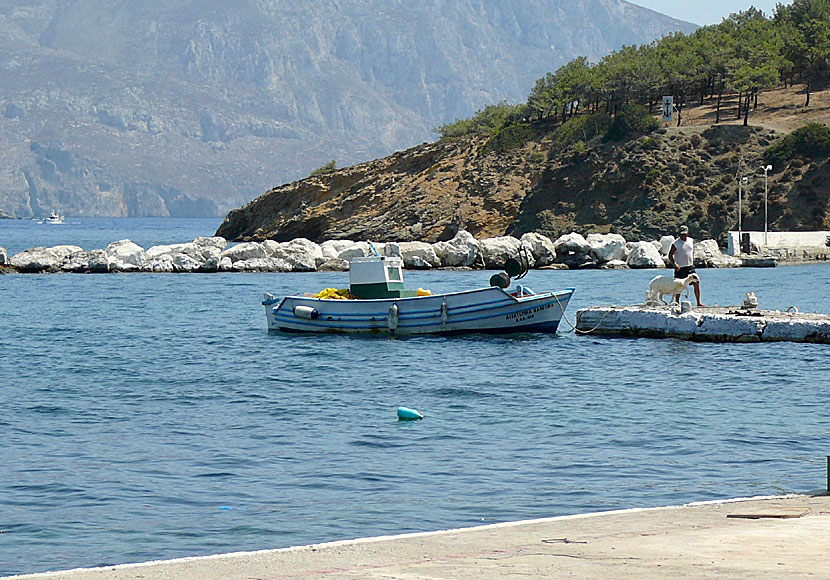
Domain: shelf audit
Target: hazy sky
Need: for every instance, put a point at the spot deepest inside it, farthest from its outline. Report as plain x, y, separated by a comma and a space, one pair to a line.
707, 11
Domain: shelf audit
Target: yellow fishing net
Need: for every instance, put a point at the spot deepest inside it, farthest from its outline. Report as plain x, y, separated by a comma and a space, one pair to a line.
344, 294
334, 294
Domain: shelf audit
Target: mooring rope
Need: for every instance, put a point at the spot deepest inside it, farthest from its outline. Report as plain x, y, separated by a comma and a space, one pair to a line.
575, 330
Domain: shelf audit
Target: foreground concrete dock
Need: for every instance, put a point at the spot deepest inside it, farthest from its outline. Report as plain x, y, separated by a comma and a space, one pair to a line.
763, 538
711, 324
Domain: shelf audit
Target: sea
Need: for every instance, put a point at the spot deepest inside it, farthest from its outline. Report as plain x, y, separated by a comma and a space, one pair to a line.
151, 416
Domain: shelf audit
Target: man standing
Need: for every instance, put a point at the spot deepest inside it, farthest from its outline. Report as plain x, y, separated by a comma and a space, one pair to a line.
682, 257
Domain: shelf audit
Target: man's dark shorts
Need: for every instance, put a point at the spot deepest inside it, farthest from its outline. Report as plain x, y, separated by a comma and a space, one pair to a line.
683, 272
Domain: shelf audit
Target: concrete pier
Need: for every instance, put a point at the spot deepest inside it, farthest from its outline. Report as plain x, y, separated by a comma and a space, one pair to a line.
756, 539
711, 324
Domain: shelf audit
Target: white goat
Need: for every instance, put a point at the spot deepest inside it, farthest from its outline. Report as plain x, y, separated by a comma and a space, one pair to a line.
663, 285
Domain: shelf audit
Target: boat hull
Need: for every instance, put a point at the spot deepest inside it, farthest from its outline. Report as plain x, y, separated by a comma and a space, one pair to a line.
487, 310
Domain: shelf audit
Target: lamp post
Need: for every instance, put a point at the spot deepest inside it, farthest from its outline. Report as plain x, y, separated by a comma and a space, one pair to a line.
766, 190
741, 180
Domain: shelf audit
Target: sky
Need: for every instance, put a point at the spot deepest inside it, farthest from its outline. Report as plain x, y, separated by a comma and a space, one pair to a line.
705, 12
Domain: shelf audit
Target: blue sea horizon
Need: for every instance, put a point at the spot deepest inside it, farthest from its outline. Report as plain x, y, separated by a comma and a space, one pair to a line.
97, 232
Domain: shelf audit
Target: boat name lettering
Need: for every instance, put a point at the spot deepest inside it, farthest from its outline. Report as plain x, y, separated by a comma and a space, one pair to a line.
527, 313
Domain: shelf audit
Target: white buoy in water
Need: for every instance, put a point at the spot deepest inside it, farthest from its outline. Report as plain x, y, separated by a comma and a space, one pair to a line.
407, 414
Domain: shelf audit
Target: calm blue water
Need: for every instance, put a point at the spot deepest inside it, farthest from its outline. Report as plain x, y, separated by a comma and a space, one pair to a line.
94, 233
151, 416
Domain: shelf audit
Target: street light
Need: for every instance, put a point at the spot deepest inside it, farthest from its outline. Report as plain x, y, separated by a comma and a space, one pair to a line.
740, 181
766, 169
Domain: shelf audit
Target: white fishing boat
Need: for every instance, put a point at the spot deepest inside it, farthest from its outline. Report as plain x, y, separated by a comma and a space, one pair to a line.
377, 302
54, 218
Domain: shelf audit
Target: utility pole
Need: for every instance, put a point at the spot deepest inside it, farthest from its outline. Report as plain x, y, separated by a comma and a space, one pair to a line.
741, 181
766, 169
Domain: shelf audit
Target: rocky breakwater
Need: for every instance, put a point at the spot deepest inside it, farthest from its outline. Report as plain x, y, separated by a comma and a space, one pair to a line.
212, 254
200, 255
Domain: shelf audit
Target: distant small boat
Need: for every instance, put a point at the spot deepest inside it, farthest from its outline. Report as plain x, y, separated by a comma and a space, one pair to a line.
54, 218
378, 303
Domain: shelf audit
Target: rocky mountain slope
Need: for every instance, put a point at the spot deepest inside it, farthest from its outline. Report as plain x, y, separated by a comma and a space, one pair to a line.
174, 107
642, 188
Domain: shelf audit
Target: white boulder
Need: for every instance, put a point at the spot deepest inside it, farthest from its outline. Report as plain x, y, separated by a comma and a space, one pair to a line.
356, 250
463, 250
574, 250
213, 243
496, 251
41, 259
4, 256
645, 255
162, 264
262, 265
665, 245
126, 256
614, 265
211, 264
606, 247
540, 248
300, 254
333, 265
571, 243
189, 249
225, 264
244, 251
199, 250
154, 252
305, 246
708, 255
211, 253
332, 248
185, 263
418, 255
391, 249
93, 261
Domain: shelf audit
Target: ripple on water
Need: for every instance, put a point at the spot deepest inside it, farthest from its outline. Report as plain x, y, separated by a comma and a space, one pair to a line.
146, 405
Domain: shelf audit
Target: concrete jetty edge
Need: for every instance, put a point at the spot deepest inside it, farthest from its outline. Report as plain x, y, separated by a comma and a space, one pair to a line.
788, 534
705, 324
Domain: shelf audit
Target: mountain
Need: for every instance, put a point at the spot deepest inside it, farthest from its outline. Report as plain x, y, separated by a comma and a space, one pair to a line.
191, 108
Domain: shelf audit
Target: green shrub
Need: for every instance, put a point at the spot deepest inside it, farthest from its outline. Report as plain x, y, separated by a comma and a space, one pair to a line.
581, 128
630, 121
329, 167
812, 140
509, 137
485, 121
456, 129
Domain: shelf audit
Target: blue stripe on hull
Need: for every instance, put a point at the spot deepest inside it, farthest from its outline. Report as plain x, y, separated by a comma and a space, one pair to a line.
545, 327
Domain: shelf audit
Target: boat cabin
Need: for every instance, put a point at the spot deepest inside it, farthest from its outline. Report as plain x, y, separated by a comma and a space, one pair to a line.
377, 277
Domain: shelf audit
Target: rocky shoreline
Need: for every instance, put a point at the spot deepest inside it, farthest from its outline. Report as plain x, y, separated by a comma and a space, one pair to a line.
212, 254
